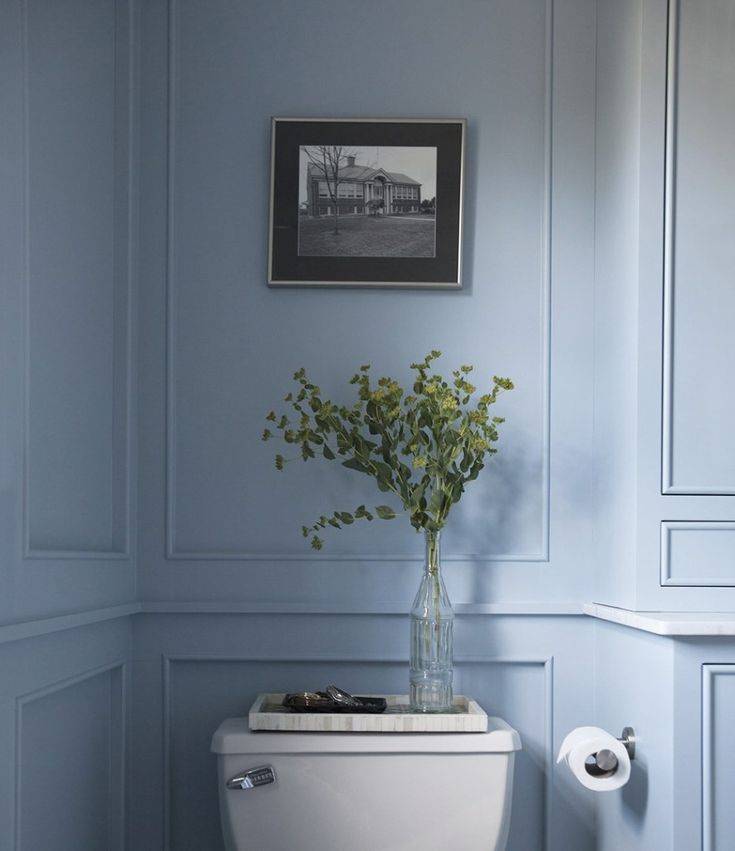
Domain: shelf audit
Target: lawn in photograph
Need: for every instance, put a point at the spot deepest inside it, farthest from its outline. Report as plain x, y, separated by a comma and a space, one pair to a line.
367, 236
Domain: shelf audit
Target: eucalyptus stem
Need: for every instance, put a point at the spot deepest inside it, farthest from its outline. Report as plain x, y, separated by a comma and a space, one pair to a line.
432, 568
424, 447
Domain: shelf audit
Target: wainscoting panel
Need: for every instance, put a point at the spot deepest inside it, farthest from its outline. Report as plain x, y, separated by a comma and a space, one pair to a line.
199, 690
698, 553
78, 268
70, 763
699, 347
192, 671
718, 744
64, 712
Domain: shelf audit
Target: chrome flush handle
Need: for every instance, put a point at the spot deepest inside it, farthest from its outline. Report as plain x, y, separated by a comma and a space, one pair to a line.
253, 777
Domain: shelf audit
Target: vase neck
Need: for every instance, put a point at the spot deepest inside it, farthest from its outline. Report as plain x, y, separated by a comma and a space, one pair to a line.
433, 552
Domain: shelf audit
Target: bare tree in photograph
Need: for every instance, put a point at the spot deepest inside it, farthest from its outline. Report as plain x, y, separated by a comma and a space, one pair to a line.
329, 160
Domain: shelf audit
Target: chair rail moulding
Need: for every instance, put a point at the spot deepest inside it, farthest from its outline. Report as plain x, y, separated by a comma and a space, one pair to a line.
382, 609
20, 630
173, 552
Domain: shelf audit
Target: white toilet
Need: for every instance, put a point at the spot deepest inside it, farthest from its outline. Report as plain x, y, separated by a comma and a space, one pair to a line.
365, 791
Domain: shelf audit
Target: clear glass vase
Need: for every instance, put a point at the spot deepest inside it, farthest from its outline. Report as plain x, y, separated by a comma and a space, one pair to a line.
432, 629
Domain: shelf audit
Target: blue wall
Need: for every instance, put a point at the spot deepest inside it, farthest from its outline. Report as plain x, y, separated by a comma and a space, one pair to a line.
152, 575
67, 471
218, 347
220, 549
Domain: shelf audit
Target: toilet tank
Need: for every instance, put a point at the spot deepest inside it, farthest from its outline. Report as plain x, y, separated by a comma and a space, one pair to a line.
366, 791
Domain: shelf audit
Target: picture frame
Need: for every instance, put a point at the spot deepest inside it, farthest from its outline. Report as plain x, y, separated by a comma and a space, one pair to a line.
366, 202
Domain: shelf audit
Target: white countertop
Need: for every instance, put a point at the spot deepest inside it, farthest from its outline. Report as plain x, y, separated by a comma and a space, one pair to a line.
666, 623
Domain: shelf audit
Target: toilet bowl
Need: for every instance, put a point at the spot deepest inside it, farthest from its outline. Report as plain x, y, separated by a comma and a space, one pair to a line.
365, 791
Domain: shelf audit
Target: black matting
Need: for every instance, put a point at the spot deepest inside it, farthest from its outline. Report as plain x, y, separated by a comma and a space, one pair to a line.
285, 265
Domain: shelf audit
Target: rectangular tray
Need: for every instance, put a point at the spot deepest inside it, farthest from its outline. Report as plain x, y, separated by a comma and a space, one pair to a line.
468, 717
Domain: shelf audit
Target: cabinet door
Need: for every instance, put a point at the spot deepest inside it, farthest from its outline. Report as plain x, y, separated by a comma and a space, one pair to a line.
699, 277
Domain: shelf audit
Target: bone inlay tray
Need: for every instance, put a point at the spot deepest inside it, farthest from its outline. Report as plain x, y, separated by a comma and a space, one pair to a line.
468, 717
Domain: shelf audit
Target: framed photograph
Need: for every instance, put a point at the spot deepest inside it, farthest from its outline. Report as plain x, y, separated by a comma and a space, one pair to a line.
366, 202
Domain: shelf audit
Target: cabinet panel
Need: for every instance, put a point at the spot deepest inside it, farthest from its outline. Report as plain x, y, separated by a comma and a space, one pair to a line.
699, 346
718, 743
696, 553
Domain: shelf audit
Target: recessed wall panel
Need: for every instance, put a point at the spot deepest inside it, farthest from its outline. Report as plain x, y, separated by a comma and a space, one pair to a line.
76, 275
699, 344
698, 553
234, 345
201, 693
70, 765
718, 743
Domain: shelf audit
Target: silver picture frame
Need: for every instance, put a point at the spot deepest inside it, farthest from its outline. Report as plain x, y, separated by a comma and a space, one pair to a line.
287, 267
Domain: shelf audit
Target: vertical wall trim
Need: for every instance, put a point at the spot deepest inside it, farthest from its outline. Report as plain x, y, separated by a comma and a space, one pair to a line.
550, 750
668, 249
167, 662
166, 750
21, 701
546, 282
669, 283
170, 446
173, 553
709, 743
81, 554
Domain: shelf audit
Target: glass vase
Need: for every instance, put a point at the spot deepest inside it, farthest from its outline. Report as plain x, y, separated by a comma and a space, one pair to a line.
432, 628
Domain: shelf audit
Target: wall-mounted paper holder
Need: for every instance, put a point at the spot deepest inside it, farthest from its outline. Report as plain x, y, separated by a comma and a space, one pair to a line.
605, 762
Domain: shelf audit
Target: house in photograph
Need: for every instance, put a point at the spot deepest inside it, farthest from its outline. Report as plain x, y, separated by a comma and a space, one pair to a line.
362, 190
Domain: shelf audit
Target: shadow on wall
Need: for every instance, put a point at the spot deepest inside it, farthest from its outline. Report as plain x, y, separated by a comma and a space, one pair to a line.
635, 793
495, 515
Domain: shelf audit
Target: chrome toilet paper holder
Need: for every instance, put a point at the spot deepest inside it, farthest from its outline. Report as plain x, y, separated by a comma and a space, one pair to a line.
627, 739
605, 762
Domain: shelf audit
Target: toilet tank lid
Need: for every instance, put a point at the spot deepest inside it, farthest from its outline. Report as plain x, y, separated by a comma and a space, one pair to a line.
233, 736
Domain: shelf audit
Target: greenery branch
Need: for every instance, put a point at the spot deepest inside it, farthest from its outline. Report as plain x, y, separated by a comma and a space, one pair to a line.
424, 447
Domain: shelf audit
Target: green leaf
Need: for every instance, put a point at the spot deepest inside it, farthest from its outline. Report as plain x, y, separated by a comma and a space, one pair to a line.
435, 503
384, 471
328, 454
385, 512
354, 464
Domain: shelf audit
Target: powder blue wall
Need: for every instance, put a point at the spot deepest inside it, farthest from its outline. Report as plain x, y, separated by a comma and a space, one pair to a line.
144, 349
218, 347
67, 472
236, 603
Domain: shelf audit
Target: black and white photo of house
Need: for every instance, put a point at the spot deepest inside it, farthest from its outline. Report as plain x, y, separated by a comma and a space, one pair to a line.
357, 201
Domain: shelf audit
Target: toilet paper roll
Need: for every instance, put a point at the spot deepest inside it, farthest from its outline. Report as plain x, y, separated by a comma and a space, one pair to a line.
582, 743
